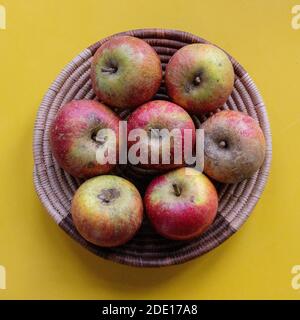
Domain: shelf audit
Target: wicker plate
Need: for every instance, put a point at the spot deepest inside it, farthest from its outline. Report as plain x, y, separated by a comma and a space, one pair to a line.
55, 187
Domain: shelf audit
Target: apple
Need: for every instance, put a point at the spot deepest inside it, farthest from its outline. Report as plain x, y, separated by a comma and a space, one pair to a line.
126, 72
234, 146
75, 138
107, 210
199, 77
157, 115
181, 204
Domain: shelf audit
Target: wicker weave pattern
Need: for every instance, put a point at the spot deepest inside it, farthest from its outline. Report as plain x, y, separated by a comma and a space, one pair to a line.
55, 187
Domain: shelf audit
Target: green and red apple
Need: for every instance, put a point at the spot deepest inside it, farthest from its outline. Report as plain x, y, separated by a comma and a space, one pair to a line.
154, 116
199, 77
107, 210
181, 204
126, 72
75, 140
234, 146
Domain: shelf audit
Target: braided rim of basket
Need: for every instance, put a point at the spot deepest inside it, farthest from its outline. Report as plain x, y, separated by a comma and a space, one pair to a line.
55, 187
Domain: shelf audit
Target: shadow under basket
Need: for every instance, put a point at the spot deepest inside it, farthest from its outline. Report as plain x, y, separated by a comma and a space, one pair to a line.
55, 187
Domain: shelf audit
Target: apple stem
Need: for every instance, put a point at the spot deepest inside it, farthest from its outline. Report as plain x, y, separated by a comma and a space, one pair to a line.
108, 70
108, 195
101, 140
222, 144
197, 80
176, 189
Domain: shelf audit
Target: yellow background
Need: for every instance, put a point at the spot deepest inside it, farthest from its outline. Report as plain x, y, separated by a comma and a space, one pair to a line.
40, 259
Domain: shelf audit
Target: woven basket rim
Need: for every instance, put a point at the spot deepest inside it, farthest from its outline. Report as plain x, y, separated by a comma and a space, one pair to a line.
41, 174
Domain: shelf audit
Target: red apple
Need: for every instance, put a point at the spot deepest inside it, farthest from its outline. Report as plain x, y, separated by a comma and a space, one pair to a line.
199, 77
157, 115
181, 204
126, 72
107, 210
234, 146
75, 138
